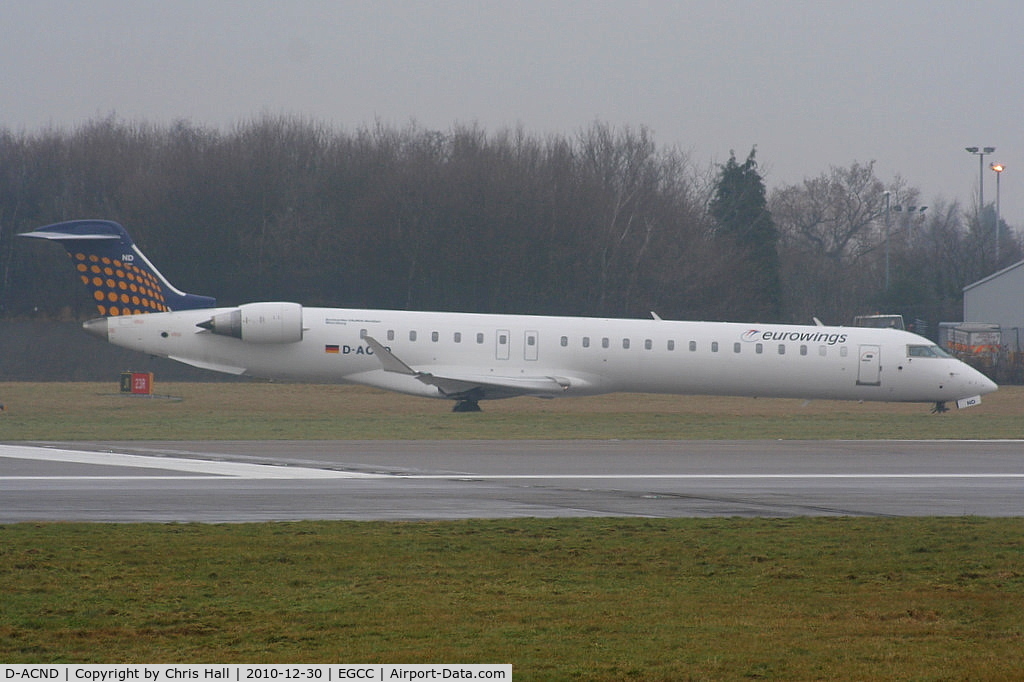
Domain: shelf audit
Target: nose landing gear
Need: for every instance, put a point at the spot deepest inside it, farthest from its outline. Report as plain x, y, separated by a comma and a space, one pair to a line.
940, 407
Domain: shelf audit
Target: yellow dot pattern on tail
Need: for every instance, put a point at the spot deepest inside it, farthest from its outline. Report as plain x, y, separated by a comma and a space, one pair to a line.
119, 288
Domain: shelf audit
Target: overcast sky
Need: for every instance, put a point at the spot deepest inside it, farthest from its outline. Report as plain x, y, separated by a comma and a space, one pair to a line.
812, 84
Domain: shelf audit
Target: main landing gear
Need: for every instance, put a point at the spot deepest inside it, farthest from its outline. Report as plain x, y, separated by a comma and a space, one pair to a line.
468, 401
466, 406
940, 407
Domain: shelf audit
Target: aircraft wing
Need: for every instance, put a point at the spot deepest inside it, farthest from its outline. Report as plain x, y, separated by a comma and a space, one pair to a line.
457, 384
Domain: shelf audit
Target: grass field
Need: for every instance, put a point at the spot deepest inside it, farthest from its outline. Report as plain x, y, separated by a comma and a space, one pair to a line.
89, 411
589, 599
586, 599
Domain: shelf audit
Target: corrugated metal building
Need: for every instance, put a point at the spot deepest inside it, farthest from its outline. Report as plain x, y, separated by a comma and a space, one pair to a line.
998, 299
992, 334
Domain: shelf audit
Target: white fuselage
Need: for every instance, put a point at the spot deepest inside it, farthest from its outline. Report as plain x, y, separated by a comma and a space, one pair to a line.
578, 356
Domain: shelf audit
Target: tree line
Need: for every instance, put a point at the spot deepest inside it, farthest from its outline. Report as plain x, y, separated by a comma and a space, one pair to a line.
603, 222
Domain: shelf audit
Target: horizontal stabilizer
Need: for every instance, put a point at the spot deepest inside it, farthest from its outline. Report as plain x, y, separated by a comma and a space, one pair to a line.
66, 236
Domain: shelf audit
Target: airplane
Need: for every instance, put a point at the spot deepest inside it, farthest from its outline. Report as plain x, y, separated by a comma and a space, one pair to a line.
469, 357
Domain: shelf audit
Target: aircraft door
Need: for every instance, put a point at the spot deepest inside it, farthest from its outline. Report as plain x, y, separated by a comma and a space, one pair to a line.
869, 366
530, 344
502, 341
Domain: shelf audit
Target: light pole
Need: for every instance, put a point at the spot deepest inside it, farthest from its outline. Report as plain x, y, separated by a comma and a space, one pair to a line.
910, 211
887, 198
981, 152
998, 168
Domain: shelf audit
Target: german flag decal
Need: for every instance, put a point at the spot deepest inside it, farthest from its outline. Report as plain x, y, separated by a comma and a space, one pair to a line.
330, 348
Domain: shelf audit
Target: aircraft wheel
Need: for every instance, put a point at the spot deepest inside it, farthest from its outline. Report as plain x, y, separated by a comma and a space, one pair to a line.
467, 406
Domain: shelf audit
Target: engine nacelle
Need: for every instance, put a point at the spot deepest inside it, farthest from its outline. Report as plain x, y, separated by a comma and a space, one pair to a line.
259, 323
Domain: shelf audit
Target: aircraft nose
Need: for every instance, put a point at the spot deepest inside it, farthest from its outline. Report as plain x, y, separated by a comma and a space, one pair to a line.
976, 381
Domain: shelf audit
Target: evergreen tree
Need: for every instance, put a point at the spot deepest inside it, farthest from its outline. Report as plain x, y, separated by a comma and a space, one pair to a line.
745, 226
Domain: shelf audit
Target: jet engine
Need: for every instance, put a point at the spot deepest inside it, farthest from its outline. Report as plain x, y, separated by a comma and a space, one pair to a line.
259, 323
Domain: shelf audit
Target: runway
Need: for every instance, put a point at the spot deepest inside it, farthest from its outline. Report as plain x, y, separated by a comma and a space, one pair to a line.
245, 481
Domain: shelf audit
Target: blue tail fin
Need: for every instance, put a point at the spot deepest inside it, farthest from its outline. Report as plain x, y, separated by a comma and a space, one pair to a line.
121, 279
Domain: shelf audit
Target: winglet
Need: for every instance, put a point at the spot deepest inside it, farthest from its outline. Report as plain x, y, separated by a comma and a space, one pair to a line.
388, 360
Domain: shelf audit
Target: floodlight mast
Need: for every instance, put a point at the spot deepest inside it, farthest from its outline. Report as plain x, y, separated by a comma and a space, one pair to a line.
899, 209
998, 168
981, 152
888, 197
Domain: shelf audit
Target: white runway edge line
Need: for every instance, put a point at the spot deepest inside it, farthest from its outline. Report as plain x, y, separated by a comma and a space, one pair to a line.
696, 477
197, 466
267, 471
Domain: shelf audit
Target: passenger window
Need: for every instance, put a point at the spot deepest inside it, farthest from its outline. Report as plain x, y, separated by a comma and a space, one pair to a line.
479, 337
822, 351
502, 340
671, 344
782, 349
759, 348
531, 340
648, 344
434, 336
362, 333
625, 343
714, 346
605, 342
564, 341
736, 347
391, 335
458, 337
843, 351
586, 342
693, 346
412, 336
803, 350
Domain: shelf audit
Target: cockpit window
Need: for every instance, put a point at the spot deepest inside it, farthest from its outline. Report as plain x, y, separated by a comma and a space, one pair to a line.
926, 352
